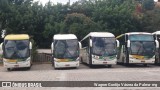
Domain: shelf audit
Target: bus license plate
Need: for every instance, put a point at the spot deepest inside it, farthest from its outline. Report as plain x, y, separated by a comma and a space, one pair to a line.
67, 65
16, 65
104, 62
143, 61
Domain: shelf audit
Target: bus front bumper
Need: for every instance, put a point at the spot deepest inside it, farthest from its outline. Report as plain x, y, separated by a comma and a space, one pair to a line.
137, 61
66, 64
102, 62
16, 64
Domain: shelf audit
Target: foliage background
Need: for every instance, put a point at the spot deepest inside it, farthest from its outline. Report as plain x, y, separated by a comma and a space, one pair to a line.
80, 18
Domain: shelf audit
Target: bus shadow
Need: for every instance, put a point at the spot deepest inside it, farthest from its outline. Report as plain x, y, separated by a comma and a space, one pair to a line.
136, 65
66, 68
95, 66
19, 69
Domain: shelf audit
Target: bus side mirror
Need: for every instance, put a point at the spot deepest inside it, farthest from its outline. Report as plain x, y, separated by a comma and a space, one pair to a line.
30, 45
157, 43
1, 47
52, 47
80, 45
128, 43
90, 42
117, 43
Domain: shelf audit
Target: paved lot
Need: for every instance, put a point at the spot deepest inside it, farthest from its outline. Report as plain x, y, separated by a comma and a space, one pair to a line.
45, 72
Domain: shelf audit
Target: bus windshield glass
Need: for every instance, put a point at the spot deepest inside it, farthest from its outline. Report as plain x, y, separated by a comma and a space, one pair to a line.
143, 48
16, 49
66, 49
104, 46
141, 37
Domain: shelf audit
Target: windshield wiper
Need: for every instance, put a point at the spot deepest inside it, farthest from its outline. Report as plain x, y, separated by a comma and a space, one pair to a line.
139, 49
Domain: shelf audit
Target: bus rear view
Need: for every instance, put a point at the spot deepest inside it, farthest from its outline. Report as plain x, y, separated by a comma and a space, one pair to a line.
65, 51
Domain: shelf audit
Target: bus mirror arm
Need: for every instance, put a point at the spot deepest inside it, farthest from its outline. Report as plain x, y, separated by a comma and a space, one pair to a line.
157, 43
30, 45
128, 43
80, 45
117, 43
52, 47
90, 41
1, 46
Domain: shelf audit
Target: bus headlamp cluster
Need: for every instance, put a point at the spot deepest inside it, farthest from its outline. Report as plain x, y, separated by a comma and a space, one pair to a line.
96, 57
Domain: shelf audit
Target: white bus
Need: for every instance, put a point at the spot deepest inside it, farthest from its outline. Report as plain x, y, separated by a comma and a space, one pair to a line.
99, 48
157, 54
65, 51
136, 48
16, 51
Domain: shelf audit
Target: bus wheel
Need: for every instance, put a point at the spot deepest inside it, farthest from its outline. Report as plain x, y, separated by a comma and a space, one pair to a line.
8, 69
55, 68
52, 64
28, 68
81, 61
126, 64
109, 66
145, 65
90, 65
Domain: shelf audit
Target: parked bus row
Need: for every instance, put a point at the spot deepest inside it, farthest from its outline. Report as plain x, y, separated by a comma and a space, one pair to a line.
96, 48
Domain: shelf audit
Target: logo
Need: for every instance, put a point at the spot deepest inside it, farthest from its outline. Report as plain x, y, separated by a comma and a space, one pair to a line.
6, 84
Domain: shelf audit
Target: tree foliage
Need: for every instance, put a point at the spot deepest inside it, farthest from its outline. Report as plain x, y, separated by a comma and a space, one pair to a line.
84, 16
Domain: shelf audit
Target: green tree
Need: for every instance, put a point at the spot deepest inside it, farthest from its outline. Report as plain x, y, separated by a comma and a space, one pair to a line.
79, 25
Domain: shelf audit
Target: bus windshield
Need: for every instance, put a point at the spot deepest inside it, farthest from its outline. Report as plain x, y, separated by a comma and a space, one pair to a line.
143, 48
16, 49
141, 37
66, 49
104, 46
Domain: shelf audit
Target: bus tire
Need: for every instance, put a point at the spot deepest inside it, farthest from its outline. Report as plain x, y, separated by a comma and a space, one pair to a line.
145, 65
81, 61
52, 64
28, 68
109, 66
126, 64
75, 67
90, 65
8, 69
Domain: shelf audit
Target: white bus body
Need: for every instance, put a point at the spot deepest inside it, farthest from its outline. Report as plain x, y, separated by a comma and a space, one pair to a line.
136, 48
157, 40
16, 51
99, 48
65, 51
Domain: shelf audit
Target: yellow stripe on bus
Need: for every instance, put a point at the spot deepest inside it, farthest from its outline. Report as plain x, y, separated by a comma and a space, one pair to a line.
10, 60
63, 60
138, 57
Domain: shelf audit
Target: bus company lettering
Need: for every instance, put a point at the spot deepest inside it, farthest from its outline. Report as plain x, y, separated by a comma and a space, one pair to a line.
14, 84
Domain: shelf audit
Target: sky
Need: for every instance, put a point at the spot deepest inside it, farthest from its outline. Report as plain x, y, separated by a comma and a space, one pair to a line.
55, 1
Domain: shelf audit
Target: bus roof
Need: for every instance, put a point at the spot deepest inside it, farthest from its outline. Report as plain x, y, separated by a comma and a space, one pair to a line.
130, 33
64, 36
157, 32
16, 37
99, 34
137, 33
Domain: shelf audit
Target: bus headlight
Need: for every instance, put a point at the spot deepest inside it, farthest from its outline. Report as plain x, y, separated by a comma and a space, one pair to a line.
77, 59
